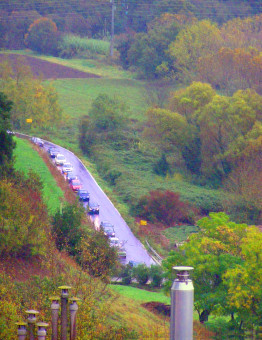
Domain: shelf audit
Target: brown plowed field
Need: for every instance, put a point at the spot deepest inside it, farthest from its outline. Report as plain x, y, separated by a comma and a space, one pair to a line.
46, 69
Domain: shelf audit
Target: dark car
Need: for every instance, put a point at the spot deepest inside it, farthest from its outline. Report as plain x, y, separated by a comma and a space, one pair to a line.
93, 208
75, 185
108, 229
83, 195
53, 152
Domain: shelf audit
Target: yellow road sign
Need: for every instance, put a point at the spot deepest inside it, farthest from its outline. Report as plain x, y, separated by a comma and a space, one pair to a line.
143, 222
29, 120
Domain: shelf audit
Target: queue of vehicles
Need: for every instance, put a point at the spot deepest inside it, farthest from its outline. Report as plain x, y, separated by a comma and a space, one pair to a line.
83, 195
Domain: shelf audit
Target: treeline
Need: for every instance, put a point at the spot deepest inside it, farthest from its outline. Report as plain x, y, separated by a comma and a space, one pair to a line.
93, 18
183, 48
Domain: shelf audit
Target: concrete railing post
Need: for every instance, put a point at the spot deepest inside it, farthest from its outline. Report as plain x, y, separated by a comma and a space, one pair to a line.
73, 310
55, 306
21, 330
41, 330
31, 323
64, 303
182, 303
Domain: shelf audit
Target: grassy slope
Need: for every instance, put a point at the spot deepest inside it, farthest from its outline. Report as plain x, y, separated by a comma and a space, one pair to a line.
76, 95
27, 158
127, 309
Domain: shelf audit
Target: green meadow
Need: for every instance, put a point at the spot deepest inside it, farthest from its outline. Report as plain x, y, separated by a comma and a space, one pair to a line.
26, 159
140, 294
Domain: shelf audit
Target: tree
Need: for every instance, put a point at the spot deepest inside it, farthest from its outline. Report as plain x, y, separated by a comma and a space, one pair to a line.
67, 228
245, 280
104, 123
169, 129
213, 252
148, 50
30, 96
106, 113
141, 273
23, 217
96, 256
43, 36
6, 139
193, 42
229, 70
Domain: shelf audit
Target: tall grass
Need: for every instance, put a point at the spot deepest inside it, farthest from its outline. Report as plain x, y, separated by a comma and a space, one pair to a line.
74, 45
27, 158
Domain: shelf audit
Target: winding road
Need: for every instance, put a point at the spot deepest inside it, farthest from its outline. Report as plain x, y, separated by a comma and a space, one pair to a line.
134, 248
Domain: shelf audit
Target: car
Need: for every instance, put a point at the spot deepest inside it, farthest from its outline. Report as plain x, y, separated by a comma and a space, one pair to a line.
83, 195
75, 185
60, 159
38, 141
53, 152
70, 176
108, 229
67, 167
9, 132
93, 208
114, 242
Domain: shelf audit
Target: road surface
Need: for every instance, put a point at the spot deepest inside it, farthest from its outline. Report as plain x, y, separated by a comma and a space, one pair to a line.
134, 248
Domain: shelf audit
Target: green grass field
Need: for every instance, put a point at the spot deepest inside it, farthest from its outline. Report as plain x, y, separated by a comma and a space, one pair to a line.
76, 95
27, 158
141, 294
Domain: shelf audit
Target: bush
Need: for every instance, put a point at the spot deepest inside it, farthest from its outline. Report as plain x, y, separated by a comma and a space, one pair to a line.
96, 256
67, 228
141, 273
156, 275
165, 207
126, 274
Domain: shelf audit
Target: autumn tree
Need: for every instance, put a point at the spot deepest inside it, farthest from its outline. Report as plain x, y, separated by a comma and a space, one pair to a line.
229, 70
30, 96
43, 36
23, 217
220, 250
193, 42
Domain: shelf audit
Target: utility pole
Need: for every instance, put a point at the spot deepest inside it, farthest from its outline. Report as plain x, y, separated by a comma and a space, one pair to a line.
112, 28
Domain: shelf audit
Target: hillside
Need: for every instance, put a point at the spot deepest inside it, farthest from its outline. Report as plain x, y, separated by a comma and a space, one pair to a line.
39, 276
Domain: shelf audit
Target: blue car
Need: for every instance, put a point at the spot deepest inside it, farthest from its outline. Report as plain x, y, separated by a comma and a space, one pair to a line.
83, 195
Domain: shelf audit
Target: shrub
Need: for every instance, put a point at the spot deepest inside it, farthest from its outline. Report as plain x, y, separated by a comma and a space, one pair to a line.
161, 167
96, 255
126, 274
67, 228
141, 273
156, 275
165, 207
